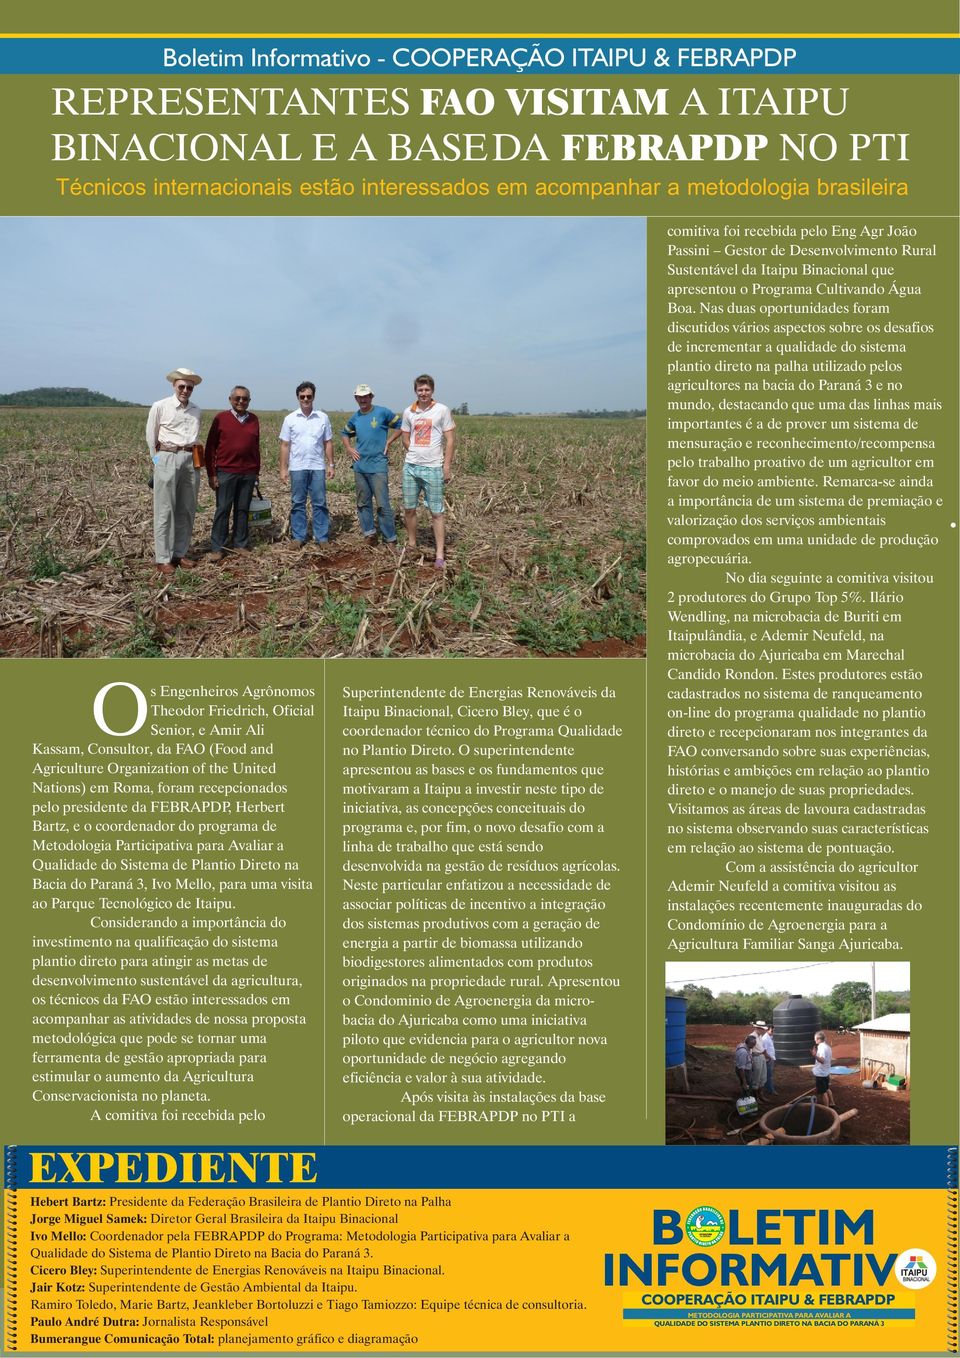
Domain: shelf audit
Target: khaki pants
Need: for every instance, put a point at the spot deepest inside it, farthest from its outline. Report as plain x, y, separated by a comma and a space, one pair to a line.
758, 1071
175, 487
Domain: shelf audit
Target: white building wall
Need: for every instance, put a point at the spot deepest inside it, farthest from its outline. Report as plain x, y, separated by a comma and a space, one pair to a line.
894, 1048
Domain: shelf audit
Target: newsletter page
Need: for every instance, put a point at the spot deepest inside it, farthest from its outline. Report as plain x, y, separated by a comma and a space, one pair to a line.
478, 635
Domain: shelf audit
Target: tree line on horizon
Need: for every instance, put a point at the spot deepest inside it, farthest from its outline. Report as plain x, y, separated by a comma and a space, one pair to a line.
846, 1005
61, 396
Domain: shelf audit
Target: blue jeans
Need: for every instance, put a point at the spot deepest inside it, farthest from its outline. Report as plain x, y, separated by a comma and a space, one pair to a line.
770, 1070
312, 482
374, 486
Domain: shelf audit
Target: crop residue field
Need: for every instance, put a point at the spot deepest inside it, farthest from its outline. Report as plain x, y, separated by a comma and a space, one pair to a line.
546, 550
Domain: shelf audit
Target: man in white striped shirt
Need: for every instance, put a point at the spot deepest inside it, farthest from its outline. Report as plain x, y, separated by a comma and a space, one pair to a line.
173, 427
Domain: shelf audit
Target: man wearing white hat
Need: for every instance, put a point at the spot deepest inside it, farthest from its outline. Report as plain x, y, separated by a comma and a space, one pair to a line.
173, 427
765, 1033
373, 428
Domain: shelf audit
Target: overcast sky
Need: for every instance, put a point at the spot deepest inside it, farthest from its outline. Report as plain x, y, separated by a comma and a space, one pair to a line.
809, 978
531, 314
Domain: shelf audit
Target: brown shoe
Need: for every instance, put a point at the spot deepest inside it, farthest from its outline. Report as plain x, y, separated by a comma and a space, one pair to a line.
185, 563
216, 556
165, 568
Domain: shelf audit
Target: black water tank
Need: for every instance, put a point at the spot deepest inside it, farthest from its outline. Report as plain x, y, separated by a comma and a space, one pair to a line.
795, 1021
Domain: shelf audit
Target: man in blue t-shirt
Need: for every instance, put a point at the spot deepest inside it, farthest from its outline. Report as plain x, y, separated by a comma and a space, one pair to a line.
373, 428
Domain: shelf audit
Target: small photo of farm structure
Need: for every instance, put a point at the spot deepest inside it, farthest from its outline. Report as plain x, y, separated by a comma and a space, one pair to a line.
811, 1055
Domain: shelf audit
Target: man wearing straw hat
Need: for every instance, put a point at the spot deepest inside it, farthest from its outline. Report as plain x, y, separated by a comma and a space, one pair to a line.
766, 1043
173, 428
758, 1067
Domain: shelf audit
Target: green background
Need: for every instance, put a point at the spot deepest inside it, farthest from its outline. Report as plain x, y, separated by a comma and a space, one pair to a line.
929, 938
925, 106
377, 17
301, 1090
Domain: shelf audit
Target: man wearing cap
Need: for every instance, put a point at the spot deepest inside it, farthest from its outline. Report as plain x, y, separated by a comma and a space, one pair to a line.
765, 1039
373, 428
173, 427
743, 1061
306, 460
233, 465
428, 437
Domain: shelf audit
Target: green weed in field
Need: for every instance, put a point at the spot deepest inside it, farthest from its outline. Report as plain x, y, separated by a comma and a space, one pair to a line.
94, 642
142, 642
45, 564
343, 615
634, 541
617, 617
463, 596
475, 462
563, 563
552, 627
108, 557
271, 643
190, 582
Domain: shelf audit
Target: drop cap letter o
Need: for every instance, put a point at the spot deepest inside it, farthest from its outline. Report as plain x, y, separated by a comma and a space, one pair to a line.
141, 708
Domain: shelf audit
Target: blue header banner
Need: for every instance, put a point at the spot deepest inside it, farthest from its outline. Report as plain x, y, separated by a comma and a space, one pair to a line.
375, 1167
265, 57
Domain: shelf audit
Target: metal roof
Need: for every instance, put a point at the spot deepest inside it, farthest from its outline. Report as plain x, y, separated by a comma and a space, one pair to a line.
890, 1023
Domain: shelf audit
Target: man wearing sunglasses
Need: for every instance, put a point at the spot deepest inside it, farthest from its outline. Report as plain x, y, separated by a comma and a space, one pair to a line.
173, 427
233, 465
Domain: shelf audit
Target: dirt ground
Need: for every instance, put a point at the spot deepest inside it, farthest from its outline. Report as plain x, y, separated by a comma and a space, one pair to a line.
546, 551
883, 1117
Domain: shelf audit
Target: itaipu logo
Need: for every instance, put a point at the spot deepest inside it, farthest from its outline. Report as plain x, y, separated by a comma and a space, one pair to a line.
705, 1226
915, 1268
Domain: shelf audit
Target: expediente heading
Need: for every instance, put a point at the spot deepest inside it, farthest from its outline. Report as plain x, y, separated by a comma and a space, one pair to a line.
351, 1167
233, 1168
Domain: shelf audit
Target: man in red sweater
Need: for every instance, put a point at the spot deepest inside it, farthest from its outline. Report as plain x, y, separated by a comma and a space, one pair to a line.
233, 465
